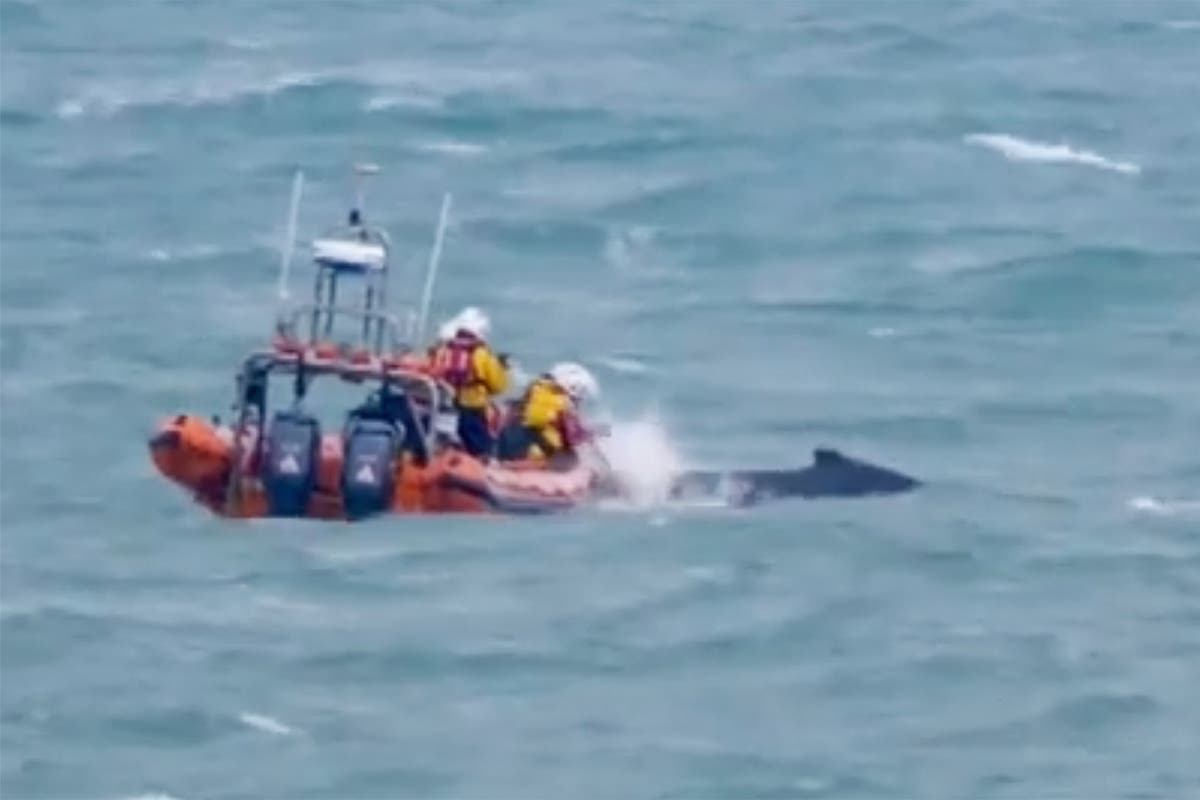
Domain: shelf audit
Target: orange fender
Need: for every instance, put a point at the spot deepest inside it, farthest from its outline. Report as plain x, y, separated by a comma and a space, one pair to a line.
189, 451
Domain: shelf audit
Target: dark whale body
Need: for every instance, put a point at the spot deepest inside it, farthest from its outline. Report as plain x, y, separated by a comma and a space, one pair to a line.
830, 475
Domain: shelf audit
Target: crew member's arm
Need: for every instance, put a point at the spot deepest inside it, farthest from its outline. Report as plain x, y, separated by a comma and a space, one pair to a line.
490, 371
574, 432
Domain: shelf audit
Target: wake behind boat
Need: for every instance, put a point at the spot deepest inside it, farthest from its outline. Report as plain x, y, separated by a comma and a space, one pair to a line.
397, 451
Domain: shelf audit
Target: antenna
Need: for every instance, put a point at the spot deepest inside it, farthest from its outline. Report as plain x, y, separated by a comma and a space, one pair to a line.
362, 171
289, 241
434, 259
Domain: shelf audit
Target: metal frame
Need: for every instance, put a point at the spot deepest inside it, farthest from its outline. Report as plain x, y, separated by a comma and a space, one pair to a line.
382, 335
393, 335
324, 307
253, 395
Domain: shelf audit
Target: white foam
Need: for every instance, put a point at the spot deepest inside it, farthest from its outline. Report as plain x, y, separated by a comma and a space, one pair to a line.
1163, 508
186, 253
394, 82
391, 100
108, 100
266, 724
633, 250
381, 102
1183, 24
360, 555
643, 458
70, 109
627, 365
882, 333
453, 148
247, 43
1017, 149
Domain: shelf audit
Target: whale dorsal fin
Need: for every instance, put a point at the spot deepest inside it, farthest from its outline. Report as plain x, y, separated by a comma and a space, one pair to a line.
827, 456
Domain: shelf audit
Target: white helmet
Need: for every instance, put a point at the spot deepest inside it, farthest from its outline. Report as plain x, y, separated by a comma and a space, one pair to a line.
473, 321
575, 380
448, 329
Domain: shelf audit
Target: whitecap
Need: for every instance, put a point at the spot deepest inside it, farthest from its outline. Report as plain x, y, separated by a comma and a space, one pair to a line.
624, 249
108, 100
69, 109
627, 365
394, 83
882, 333
186, 253
247, 43
266, 724
1183, 24
387, 102
355, 555
453, 148
1162, 508
1015, 148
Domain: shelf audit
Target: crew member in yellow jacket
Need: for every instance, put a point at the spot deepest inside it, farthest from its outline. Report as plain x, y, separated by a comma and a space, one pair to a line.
477, 374
547, 423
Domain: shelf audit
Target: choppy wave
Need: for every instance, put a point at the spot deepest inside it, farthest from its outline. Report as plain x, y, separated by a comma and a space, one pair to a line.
397, 84
452, 147
626, 365
393, 100
266, 724
194, 252
1015, 148
1162, 507
107, 100
796, 250
251, 43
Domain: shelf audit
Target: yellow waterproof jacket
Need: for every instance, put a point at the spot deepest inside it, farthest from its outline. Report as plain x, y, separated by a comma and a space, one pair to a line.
490, 379
545, 405
481, 378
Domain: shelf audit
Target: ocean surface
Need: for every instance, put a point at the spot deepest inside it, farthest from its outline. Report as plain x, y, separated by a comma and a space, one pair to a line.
960, 239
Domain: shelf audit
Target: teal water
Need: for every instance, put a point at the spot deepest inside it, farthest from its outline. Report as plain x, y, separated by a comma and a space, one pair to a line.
959, 239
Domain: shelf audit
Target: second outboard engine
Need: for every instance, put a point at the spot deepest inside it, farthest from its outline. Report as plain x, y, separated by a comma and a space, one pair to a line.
290, 462
368, 466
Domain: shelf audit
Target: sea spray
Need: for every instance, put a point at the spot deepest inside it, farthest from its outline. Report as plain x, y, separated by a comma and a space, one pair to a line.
643, 459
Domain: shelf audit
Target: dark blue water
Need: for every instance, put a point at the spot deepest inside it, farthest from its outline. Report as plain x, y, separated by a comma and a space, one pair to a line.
960, 239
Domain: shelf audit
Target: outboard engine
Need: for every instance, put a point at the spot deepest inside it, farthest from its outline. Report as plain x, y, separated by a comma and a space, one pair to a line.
368, 466
290, 463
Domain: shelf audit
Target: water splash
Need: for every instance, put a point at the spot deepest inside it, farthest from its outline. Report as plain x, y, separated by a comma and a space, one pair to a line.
643, 458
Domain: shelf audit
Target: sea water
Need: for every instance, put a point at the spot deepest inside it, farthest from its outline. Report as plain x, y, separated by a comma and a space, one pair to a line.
959, 239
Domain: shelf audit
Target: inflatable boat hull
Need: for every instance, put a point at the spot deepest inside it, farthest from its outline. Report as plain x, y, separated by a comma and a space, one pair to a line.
199, 457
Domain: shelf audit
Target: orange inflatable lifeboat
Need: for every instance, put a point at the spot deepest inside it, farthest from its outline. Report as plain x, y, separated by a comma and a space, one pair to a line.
394, 453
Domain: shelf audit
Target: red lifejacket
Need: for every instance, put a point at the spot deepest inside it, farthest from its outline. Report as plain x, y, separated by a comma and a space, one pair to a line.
453, 362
